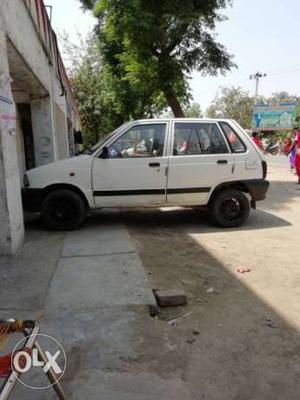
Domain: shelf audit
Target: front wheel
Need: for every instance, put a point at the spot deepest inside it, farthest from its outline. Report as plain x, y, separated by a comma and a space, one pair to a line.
230, 208
63, 210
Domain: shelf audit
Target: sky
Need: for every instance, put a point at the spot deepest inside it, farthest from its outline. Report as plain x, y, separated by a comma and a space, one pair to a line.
263, 35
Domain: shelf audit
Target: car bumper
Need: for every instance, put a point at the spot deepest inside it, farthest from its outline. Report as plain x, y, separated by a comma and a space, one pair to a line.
257, 188
32, 199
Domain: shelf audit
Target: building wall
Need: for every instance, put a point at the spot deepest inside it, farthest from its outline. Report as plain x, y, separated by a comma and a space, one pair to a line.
28, 29
44, 137
20, 148
21, 31
11, 214
46, 113
61, 126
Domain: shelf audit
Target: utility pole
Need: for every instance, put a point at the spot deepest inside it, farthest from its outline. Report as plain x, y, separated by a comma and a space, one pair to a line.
257, 77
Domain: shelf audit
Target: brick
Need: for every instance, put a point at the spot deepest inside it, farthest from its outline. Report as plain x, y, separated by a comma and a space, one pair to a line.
170, 298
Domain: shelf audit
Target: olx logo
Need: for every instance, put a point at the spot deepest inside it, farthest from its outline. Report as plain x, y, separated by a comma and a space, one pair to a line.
34, 361
53, 357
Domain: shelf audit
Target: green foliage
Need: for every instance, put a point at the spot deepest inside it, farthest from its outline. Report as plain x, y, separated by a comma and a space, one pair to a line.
234, 103
155, 44
193, 111
279, 97
106, 98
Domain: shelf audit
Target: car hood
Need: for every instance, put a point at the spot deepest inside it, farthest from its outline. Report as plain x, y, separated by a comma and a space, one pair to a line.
67, 162
74, 170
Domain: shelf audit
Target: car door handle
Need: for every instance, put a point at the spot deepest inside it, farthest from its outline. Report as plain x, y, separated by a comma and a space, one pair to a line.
222, 162
154, 164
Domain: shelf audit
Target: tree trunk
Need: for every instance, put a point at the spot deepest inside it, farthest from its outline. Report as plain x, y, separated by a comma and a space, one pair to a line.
173, 102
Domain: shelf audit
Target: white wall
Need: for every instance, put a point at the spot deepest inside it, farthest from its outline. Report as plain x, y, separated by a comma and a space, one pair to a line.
20, 149
43, 134
11, 213
61, 126
21, 30
22, 51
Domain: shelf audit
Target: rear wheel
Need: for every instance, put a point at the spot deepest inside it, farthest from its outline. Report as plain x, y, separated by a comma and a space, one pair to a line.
275, 151
63, 210
230, 208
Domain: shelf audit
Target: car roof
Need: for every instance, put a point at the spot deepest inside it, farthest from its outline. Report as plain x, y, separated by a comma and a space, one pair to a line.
184, 119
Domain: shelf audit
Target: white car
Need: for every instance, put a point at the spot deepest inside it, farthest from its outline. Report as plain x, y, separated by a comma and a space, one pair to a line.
154, 163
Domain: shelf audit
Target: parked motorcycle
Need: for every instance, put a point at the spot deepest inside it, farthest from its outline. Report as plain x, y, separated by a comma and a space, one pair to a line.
271, 148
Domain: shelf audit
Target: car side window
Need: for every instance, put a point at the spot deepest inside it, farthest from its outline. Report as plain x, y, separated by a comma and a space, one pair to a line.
235, 143
140, 141
198, 138
194, 146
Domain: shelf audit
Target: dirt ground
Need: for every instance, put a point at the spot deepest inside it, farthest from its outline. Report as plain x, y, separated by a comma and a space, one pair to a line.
238, 337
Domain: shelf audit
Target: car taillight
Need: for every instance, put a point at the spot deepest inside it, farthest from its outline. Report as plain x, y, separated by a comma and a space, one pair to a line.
265, 169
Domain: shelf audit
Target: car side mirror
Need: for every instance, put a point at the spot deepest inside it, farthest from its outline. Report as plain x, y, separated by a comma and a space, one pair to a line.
104, 153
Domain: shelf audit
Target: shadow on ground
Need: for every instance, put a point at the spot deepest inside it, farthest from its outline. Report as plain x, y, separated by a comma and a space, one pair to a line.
226, 344
278, 197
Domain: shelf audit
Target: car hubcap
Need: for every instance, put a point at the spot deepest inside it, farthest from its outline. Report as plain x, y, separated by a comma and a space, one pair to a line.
232, 208
63, 211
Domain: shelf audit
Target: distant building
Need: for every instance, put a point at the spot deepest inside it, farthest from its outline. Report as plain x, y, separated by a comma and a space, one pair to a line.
38, 115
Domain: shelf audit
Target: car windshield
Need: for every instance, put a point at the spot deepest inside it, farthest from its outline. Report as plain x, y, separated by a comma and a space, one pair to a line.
92, 149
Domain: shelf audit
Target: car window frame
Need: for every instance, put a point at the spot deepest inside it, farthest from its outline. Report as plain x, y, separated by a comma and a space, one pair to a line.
204, 122
227, 140
136, 126
125, 128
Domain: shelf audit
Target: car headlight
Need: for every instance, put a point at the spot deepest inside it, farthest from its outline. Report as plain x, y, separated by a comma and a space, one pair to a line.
26, 181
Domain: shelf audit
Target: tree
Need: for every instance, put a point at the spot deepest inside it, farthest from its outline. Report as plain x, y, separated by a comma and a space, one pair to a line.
104, 99
156, 44
279, 97
233, 103
193, 111
92, 87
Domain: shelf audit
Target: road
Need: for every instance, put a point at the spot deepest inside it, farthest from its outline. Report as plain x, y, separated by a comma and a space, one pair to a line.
238, 338
277, 161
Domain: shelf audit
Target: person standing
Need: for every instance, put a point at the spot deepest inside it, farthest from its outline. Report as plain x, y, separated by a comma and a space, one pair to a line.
257, 140
297, 159
287, 145
290, 151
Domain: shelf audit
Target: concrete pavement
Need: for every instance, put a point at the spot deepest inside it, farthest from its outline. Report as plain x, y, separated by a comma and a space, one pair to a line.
99, 268
240, 341
93, 292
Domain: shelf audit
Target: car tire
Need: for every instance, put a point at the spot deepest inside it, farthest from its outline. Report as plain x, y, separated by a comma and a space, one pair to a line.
63, 210
230, 208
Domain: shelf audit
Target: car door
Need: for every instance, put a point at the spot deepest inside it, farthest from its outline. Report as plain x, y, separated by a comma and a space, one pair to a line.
134, 172
200, 160
248, 163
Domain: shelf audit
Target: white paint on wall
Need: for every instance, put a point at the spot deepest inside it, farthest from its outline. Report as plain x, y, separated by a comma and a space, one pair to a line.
36, 82
11, 213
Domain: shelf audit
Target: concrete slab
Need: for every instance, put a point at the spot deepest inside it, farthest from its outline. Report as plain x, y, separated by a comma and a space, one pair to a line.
127, 386
91, 340
98, 240
25, 277
93, 300
96, 384
100, 281
96, 339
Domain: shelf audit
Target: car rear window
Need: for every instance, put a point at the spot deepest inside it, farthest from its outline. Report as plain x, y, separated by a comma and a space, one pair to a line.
196, 138
235, 142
